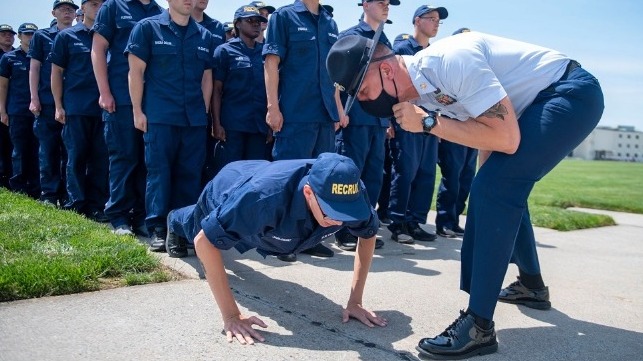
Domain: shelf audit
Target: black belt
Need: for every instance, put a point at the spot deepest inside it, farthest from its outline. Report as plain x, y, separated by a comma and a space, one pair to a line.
573, 64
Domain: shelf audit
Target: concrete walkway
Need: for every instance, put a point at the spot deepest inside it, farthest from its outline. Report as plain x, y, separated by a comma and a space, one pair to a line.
593, 276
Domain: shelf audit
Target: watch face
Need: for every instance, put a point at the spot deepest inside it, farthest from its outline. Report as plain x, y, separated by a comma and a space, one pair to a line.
429, 121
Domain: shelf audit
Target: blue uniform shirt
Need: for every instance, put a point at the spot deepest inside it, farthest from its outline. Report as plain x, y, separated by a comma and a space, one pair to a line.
356, 114
215, 27
14, 66
39, 49
114, 22
175, 66
302, 42
259, 204
243, 104
408, 46
72, 52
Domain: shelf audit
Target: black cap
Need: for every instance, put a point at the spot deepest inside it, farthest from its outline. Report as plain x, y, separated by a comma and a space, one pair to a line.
58, 3
348, 60
262, 5
461, 30
7, 27
27, 28
393, 2
442, 12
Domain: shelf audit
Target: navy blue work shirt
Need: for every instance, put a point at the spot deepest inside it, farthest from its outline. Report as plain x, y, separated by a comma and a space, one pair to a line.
408, 46
174, 71
260, 204
114, 22
243, 103
215, 27
356, 114
72, 52
39, 49
14, 66
302, 42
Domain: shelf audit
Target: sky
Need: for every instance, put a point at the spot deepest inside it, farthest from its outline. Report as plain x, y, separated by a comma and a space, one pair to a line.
602, 36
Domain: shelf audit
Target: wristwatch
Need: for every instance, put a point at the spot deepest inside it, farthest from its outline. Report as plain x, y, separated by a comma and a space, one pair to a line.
429, 121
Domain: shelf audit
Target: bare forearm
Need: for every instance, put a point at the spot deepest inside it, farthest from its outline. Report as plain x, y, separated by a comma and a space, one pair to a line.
216, 276
99, 63
34, 78
361, 266
217, 93
206, 88
4, 89
57, 85
136, 82
271, 74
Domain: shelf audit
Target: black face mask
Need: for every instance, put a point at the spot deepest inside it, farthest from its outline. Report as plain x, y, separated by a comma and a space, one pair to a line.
382, 106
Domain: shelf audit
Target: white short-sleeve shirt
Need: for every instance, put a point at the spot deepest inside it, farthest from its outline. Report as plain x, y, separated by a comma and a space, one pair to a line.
464, 75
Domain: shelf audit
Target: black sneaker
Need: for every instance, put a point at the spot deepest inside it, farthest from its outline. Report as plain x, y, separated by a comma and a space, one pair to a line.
459, 231
175, 245
346, 241
290, 257
445, 232
157, 239
378, 243
399, 233
320, 251
462, 339
97, 216
419, 234
517, 293
384, 220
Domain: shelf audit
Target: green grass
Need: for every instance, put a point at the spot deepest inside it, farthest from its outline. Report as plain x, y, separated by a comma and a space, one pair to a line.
45, 252
603, 185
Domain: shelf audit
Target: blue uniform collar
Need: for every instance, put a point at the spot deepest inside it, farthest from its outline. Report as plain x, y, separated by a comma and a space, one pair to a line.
300, 7
298, 208
207, 19
363, 25
166, 20
414, 43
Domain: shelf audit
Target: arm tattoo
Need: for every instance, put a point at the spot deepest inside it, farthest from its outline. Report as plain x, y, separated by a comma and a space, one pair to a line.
496, 111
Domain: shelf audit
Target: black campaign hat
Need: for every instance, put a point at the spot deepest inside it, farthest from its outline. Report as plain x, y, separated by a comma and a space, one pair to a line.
348, 60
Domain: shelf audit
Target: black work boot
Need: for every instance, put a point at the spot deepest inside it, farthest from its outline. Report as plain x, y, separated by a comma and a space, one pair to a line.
175, 245
517, 293
462, 339
400, 233
345, 240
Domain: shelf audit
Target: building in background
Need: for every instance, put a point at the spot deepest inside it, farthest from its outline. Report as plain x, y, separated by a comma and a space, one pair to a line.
623, 143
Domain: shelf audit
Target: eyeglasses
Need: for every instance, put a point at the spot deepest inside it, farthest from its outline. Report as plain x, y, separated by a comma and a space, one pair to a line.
432, 19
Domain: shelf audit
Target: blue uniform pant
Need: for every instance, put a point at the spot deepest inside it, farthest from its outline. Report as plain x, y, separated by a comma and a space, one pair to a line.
174, 157
498, 227
26, 174
6, 150
304, 140
413, 179
52, 156
364, 144
242, 146
385, 193
126, 203
458, 166
87, 163
209, 168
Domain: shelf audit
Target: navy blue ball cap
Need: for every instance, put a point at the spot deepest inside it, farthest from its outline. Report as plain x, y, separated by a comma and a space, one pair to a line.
27, 28
7, 27
228, 26
348, 60
393, 2
335, 179
58, 3
262, 5
248, 11
442, 12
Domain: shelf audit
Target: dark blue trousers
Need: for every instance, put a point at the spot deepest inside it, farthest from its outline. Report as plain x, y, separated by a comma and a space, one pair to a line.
364, 144
385, 194
87, 163
458, 166
413, 179
304, 140
174, 157
6, 149
498, 227
126, 203
52, 156
241, 146
26, 173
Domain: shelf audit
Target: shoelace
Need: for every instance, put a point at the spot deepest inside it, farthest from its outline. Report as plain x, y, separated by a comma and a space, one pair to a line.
451, 330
